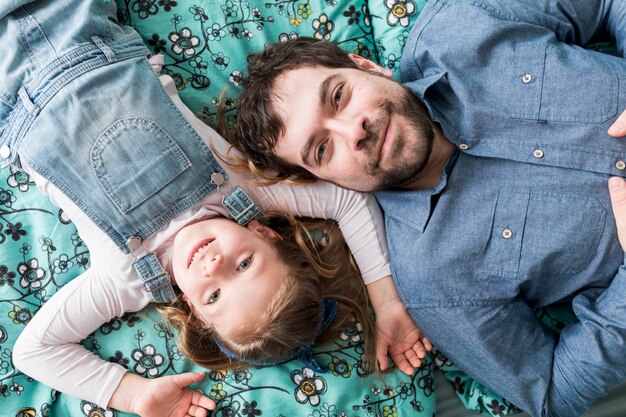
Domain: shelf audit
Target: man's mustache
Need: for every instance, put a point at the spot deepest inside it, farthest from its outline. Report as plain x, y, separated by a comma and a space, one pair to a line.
373, 134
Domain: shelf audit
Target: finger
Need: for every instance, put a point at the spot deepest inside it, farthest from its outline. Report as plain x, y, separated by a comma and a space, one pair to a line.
414, 359
402, 363
194, 411
427, 344
381, 354
618, 128
202, 400
188, 378
617, 191
419, 350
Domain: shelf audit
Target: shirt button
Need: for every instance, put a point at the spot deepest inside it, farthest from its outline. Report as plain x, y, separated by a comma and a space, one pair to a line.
538, 153
464, 146
527, 78
507, 233
619, 164
5, 151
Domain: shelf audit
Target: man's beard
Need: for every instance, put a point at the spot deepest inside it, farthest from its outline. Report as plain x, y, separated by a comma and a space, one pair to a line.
413, 139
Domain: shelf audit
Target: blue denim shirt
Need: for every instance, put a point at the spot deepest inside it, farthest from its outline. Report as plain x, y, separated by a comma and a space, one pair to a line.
521, 218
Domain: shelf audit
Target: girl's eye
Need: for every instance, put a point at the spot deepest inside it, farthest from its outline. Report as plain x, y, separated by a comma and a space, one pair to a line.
245, 264
338, 95
215, 296
321, 151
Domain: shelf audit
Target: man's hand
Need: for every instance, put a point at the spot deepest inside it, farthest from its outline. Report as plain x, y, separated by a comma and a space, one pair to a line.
617, 190
618, 128
397, 336
166, 396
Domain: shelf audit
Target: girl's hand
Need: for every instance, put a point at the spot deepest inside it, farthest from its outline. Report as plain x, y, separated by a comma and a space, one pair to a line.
168, 396
618, 128
397, 335
617, 190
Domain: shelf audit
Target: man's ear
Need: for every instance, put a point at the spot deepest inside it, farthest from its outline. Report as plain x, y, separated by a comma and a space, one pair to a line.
370, 65
262, 230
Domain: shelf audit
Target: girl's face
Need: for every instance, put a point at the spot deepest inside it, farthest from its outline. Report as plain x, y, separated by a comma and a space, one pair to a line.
228, 273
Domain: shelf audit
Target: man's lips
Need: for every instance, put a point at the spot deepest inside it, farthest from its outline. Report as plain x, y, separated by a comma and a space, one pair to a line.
198, 250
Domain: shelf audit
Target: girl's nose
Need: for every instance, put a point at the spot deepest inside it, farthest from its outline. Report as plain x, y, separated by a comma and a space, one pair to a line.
213, 264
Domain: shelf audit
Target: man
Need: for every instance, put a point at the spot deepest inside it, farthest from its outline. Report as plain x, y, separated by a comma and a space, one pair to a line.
491, 162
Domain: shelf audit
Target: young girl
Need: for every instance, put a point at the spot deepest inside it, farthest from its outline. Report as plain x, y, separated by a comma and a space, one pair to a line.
281, 274
320, 279
310, 281
131, 166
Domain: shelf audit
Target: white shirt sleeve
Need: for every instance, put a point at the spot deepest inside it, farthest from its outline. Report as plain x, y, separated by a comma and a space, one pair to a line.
48, 349
358, 215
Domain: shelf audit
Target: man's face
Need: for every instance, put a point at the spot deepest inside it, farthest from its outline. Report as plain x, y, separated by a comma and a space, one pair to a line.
356, 128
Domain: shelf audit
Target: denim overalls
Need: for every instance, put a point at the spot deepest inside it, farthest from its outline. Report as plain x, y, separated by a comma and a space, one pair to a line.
83, 108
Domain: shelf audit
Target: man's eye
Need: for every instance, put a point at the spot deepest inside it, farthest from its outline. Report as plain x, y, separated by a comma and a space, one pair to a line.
338, 95
245, 264
215, 296
321, 151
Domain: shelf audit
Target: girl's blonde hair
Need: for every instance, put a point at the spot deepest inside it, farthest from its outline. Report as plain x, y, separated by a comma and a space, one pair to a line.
316, 267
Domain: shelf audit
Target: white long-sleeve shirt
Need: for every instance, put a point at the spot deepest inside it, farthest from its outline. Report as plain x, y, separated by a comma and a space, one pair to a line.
48, 349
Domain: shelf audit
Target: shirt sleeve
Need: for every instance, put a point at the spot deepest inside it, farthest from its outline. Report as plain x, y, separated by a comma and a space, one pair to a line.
357, 214
503, 345
49, 349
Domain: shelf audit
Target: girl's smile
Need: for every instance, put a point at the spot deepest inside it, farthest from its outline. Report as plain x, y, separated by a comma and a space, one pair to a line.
199, 250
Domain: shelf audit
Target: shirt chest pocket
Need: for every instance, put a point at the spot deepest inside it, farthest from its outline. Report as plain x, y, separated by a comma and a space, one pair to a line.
560, 83
538, 233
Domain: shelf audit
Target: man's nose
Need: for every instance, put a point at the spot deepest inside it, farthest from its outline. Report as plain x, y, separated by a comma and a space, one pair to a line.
213, 265
351, 130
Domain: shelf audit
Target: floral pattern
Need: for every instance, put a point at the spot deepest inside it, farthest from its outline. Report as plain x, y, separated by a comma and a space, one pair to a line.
309, 386
400, 11
92, 410
392, 21
184, 42
323, 28
148, 361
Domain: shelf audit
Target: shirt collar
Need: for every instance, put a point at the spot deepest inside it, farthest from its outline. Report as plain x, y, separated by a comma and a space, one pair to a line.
414, 206
420, 85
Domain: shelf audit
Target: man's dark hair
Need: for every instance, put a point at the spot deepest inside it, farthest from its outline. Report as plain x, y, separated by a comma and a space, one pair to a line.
259, 127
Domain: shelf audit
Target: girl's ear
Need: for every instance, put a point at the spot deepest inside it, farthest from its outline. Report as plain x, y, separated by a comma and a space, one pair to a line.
370, 65
262, 230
